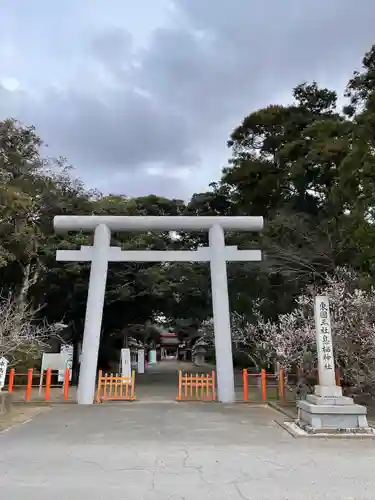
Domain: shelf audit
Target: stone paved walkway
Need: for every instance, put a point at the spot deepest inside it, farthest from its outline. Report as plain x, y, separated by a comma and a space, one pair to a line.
160, 383
177, 451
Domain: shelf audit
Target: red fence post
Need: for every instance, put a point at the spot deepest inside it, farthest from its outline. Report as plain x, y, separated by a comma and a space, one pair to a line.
29, 384
245, 379
11, 380
213, 386
47, 394
66, 384
263, 378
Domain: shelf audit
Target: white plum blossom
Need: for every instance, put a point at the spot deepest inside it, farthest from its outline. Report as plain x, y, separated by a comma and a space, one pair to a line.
247, 338
291, 339
22, 335
353, 329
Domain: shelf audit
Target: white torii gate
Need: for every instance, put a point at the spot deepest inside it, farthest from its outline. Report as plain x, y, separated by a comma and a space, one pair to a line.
217, 254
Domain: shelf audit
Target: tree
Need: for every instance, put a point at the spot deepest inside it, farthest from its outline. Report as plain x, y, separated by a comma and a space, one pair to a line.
269, 168
247, 338
22, 336
308, 168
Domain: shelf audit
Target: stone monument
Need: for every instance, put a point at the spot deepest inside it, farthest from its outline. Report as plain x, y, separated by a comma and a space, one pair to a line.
5, 397
327, 410
199, 355
3, 371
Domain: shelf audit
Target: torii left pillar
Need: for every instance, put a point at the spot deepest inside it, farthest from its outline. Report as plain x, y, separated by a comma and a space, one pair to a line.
94, 315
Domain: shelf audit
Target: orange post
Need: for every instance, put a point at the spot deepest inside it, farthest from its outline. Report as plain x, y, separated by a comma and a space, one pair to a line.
47, 394
132, 394
245, 379
213, 386
338, 376
11, 380
99, 388
179, 397
66, 384
263, 379
29, 384
282, 384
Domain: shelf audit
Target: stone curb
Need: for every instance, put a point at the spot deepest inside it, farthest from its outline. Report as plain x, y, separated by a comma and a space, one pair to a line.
282, 410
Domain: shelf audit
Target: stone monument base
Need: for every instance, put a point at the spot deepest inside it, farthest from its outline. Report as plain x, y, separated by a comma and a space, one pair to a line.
296, 431
323, 412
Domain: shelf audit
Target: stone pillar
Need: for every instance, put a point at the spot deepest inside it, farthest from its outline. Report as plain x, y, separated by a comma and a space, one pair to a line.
326, 364
221, 316
327, 409
152, 357
141, 361
5, 402
94, 315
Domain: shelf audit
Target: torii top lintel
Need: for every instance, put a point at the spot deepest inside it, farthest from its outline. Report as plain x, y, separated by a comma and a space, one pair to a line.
64, 223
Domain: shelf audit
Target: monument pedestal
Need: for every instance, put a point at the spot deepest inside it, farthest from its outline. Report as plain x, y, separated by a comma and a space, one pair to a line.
328, 410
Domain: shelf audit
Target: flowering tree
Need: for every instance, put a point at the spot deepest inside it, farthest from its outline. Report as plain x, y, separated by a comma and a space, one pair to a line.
247, 338
353, 329
207, 338
21, 335
291, 339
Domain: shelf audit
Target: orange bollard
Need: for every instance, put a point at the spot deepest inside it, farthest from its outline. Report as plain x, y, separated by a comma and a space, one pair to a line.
179, 397
47, 394
263, 379
213, 374
29, 384
282, 384
245, 379
66, 384
338, 376
11, 380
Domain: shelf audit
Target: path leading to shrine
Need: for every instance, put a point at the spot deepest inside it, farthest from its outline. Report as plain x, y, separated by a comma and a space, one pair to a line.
176, 451
160, 383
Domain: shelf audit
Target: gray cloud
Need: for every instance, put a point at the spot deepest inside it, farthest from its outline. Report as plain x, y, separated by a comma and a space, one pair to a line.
172, 104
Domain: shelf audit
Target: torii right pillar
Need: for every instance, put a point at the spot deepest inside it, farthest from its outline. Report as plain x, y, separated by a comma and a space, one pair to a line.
221, 315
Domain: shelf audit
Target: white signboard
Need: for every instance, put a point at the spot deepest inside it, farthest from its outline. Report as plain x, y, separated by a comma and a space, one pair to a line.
126, 368
3, 371
141, 361
68, 349
55, 361
326, 360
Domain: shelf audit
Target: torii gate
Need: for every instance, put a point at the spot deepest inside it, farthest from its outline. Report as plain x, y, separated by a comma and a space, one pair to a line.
217, 254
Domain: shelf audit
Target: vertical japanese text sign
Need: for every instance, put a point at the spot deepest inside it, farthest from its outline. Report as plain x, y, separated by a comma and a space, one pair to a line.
3, 371
324, 341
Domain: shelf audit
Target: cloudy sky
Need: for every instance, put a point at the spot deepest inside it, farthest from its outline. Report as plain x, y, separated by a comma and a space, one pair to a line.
141, 95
